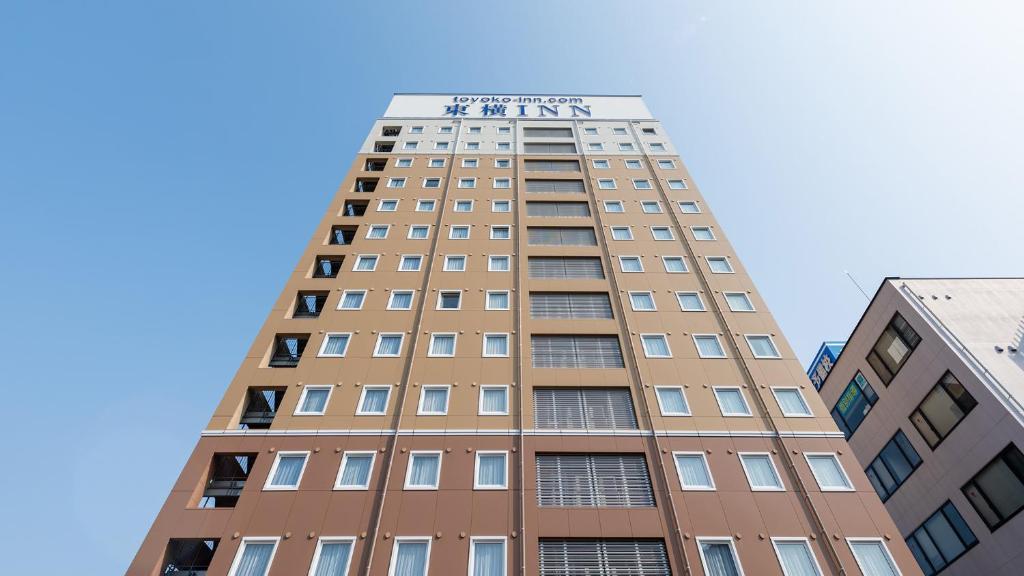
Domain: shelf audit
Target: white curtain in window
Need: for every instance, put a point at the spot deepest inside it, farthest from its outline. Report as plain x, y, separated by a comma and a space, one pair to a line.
401, 300
411, 263
335, 345
389, 345
435, 400
496, 345
631, 265
499, 264
827, 471
367, 263
675, 265
708, 346
672, 400
333, 559
357, 470
411, 559
378, 232
498, 300
762, 346
460, 233
255, 559
732, 401
797, 559
791, 402
289, 468
642, 301
492, 470
693, 471
456, 264
352, 300
761, 472
316, 400
442, 345
690, 302
655, 346
719, 558
488, 559
375, 401
873, 558
425, 468
494, 400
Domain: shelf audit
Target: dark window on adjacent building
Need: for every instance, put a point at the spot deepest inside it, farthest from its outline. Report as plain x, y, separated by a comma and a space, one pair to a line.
561, 305
854, 404
354, 207
611, 557
224, 484
565, 267
327, 266
576, 351
590, 480
342, 235
549, 148
309, 304
261, 405
583, 408
188, 556
288, 350
558, 209
941, 539
892, 349
550, 236
547, 132
942, 410
893, 465
552, 166
997, 491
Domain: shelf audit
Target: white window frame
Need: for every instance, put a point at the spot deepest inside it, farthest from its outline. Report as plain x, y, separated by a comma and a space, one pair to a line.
622, 207
707, 467
888, 555
778, 353
495, 203
246, 540
720, 347
645, 180
410, 145
455, 344
302, 399
473, 540
590, 131
423, 395
345, 294
448, 257
391, 298
396, 182
401, 261
686, 267
619, 131
671, 234
671, 163
421, 202
723, 259
657, 205
606, 184
426, 227
506, 183
480, 400
661, 407
466, 182
445, 129
490, 262
595, 147
503, 146
359, 258
498, 161
617, 229
341, 470
442, 144
775, 469
504, 130
471, 146
681, 186
693, 230
805, 542
462, 201
416, 130
638, 259
372, 227
663, 336
626, 147
474, 130
380, 204
628, 161
502, 227
849, 483
632, 305
487, 299
476, 471
268, 487
350, 540
725, 295
775, 392
719, 540
380, 336
451, 231
691, 293
408, 470
398, 162
431, 179
508, 345
394, 552
604, 164
362, 398
471, 162
441, 293
746, 404
327, 338
432, 163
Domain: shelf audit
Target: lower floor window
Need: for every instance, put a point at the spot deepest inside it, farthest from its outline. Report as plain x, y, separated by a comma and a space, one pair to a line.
487, 557
719, 557
332, 557
254, 557
410, 557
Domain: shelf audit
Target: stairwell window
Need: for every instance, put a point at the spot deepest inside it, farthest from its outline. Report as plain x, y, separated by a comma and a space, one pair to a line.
356, 469
373, 401
760, 471
491, 471
389, 345
655, 346
335, 345
708, 346
433, 400
762, 346
731, 401
693, 471
672, 401
690, 301
286, 472
493, 400
424, 470
828, 472
442, 345
495, 345
313, 400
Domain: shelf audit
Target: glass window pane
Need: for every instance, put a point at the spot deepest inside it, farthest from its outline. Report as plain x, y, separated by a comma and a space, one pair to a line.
797, 559
289, 468
760, 471
488, 559
491, 470
828, 472
718, 559
315, 400
410, 559
709, 347
873, 558
255, 560
672, 401
356, 471
333, 560
693, 471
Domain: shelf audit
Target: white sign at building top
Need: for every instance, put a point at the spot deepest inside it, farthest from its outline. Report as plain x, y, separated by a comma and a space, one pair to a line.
517, 106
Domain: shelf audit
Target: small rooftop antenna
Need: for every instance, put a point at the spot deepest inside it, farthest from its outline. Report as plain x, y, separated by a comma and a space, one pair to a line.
850, 276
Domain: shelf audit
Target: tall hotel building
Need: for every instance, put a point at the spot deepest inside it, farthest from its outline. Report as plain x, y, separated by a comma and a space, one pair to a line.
518, 343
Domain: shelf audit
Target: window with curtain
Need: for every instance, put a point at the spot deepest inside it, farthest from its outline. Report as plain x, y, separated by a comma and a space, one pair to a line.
497, 300
892, 348
352, 300
739, 302
583, 408
642, 301
997, 491
760, 471
498, 263
719, 265
442, 344
593, 480
253, 558
672, 401
335, 345
828, 472
942, 409
621, 233
434, 400
500, 232
854, 404
796, 558
674, 264
690, 301
708, 346
761, 346
458, 232
332, 558
410, 557
942, 539
424, 470
631, 264
410, 263
375, 400
418, 232
488, 557
366, 263
655, 346
287, 470
495, 344
491, 470
693, 470
314, 399
894, 464
791, 402
731, 401
873, 558
719, 558
662, 233
400, 301
493, 400
455, 263
608, 557
377, 232
388, 345
355, 470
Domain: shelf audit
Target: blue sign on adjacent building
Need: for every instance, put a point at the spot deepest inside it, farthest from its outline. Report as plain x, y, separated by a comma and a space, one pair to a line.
823, 362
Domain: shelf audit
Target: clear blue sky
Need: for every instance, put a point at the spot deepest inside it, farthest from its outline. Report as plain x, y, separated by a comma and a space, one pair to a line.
162, 165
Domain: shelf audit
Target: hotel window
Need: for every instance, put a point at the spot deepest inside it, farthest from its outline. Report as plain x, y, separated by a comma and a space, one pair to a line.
502, 183
410, 145
377, 232
487, 557
425, 205
442, 145
409, 557
400, 300
498, 263
474, 129
504, 130
633, 164
463, 205
254, 557
424, 470
690, 301
693, 471
672, 401
467, 183
613, 207
796, 557
495, 346
387, 206
760, 471
590, 131
458, 233
431, 182
575, 351
854, 404
655, 346
366, 263
731, 401
719, 265
335, 345
689, 208
873, 557
501, 205
419, 232
436, 163
396, 182
681, 185
493, 400
601, 164
942, 409
622, 233
630, 264
595, 146
403, 162
416, 130
388, 345
642, 301
738, 302
434, 399
441, 345
501, 233
641, 184
449, 300
497, 300
567, 408
454, 263
662, 233
718, 555
828, 472
356, 469
471, 146
313, 400
286, 472
651, 207
659, 147
762, 346
606, 184
708, 346
491, 472
373, 401
444, 130
502, 163
997, 491
791, 401
892, 349
665, 164
648, 131
332, 557
674, 264
619, 131
626, 147
504, 146
894, 464
593, 480
470, 162
941, 539
702, 233
352, 300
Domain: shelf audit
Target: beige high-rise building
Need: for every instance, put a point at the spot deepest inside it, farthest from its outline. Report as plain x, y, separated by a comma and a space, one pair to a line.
929, 391
518, 343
